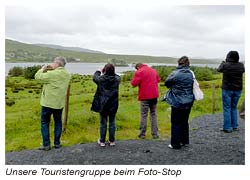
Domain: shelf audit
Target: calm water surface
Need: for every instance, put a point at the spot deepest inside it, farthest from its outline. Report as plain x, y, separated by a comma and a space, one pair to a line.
90, 68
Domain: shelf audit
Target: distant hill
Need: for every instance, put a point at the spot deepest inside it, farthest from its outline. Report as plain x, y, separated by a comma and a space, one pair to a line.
78, 49
22, 52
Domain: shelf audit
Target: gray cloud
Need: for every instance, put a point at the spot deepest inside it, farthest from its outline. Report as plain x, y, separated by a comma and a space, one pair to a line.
199, 31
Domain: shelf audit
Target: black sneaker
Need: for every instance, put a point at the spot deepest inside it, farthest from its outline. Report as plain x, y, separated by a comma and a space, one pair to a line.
156, 137
226, 131
141, 136
184, 145
57, 146
173, 147
236, 129
45, 148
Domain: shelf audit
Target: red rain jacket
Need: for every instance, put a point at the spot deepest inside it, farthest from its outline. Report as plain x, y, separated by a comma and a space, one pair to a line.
147, 79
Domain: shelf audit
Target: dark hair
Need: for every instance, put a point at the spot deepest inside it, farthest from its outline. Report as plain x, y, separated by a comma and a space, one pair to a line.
138, 65
109, 69
183, 61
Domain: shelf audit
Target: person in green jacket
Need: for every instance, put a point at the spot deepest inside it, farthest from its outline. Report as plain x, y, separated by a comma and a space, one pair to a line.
55, 79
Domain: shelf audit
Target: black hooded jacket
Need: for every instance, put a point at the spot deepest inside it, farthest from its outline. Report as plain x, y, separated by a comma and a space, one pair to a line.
106, 96
232, 71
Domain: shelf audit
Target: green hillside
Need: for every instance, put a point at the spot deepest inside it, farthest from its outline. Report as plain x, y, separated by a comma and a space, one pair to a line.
22, 52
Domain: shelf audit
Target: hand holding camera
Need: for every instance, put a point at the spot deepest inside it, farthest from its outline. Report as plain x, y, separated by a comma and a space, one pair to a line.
46, 68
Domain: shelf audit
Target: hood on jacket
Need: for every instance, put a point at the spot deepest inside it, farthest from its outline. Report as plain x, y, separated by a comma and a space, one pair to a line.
232, 56
110, 78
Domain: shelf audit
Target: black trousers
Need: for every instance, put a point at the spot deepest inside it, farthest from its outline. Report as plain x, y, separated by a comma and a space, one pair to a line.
179, 126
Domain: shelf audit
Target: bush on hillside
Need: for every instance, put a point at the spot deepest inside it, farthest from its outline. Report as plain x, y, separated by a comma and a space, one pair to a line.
16, 71
201, 73
164, 71
204, 73
29, 72
127, 76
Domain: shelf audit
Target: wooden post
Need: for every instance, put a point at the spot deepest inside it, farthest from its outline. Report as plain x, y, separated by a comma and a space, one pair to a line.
66, 109
213, 98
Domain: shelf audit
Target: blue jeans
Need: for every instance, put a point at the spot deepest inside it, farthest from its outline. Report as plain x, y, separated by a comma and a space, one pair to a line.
103, 127
230, 114
45, 121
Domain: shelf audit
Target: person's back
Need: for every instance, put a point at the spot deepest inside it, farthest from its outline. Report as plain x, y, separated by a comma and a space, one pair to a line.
147, 79
109, 84
108, 90
232, 71
55, 83
183, 81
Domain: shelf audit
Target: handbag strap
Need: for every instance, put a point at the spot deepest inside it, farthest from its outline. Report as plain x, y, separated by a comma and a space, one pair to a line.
192, 73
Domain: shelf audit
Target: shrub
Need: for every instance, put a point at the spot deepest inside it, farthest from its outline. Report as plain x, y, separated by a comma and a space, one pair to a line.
203, 73
9, 102
29, 72
16, 71
164, 71
127, 76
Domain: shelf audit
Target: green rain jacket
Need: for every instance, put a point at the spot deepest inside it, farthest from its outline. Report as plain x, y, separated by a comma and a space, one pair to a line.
55, 84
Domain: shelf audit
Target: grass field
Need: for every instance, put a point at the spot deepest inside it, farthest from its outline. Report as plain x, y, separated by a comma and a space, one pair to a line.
23, 112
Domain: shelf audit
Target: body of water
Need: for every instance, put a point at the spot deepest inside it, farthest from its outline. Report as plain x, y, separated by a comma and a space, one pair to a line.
90, 68
74, 68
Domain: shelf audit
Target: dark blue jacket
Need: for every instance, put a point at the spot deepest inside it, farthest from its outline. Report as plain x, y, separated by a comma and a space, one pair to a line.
106, 96
180, 82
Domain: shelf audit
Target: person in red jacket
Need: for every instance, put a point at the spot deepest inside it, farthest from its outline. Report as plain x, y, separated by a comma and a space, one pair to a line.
147, 79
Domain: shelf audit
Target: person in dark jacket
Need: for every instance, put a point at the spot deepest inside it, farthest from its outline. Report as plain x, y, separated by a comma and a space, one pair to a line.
232, 71
106, 101
147, 79
180, 97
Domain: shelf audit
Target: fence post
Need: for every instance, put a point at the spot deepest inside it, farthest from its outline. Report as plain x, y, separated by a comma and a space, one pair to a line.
213, 98
66, 109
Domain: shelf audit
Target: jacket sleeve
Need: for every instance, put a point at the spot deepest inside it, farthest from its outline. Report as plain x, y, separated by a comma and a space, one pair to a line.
119, 79
44, 77
170, 80
96, 77
221, 67
243, 68
158, 78
136, 79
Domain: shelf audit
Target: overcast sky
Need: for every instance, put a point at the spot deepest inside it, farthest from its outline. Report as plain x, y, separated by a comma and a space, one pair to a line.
158, 30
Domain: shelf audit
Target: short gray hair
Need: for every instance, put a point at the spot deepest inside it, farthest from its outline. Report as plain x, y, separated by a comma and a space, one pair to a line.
61, 61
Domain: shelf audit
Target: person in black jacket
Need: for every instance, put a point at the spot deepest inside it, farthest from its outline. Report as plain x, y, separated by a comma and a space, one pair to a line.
232, 71
106, 101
